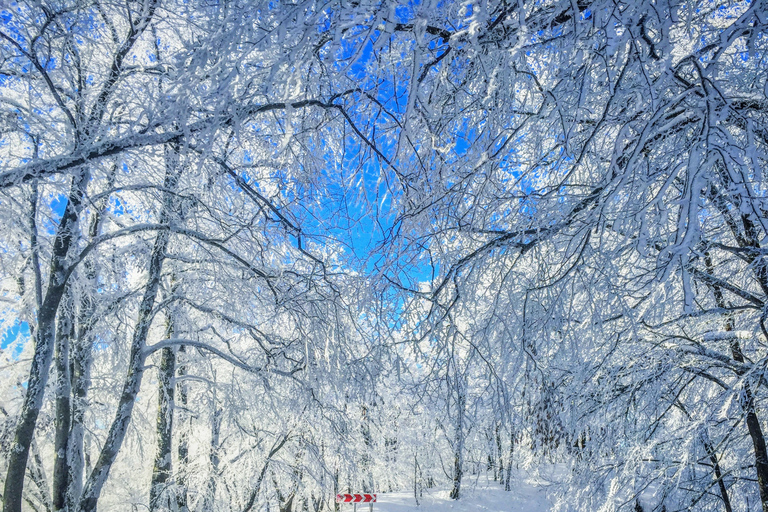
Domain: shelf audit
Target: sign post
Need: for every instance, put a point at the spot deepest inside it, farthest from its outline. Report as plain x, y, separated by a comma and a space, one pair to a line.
357, 498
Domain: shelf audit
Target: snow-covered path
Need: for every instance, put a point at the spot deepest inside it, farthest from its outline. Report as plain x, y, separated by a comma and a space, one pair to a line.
526, 497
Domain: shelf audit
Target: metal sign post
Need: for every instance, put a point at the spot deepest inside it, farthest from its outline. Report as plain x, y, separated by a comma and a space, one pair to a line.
357, 498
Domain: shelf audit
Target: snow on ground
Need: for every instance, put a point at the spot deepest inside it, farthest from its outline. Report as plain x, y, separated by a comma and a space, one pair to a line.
529, 494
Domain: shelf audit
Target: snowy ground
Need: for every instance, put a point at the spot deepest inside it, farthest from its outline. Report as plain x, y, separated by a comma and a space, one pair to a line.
528, 495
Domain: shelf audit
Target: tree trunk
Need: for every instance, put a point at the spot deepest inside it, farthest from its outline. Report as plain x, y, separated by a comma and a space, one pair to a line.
81, 358
184, 420
500, 457
366, 466
213, 455
749, 239
747, 402
336, 489
718, 473
64, 335
132, 383
507, 484
758, 443
37, 474
416, 479
161, 471
166, 373
458, 446
44, 337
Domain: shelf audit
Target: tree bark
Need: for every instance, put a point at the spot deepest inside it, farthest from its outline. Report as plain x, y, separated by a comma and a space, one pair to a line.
758, 443
183, 419
499, 466
97, 478
161, 471
44, 337
747, 399
336, 489
213, 455
166, 373
507, 484
458, 446
64, 335
37, 474
718, 473
81, 359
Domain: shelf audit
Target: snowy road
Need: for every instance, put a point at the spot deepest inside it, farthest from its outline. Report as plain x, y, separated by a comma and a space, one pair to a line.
524, 498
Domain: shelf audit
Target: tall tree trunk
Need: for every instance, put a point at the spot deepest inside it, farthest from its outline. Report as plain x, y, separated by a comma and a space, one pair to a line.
748, 239
499, 467
44, 338
97, 478
161, 472
65, 333
507, 484
366, 466
416, 479
213, 455
747, 399
81, 358
718, 473
37, 474
184, 420
458, 444
336, 489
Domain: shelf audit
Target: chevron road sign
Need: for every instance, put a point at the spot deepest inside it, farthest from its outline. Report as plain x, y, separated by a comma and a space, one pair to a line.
357, 498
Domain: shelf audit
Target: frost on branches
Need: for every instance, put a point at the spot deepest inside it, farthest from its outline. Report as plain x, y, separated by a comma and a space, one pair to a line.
255, 254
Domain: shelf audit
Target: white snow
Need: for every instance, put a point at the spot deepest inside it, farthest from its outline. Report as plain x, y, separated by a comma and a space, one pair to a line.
527, 495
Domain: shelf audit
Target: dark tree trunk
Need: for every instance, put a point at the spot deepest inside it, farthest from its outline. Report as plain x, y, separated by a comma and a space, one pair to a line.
366, 466
417, 485
507, 483
44, 340
184, 420
161, 471
97, 478
758, 443
81, 358
749, 238
718, 473
213, 455
336, 489
458, 447
747, 399
499, 467
61, 470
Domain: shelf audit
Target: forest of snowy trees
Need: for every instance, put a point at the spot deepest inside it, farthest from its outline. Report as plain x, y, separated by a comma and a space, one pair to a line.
257, 252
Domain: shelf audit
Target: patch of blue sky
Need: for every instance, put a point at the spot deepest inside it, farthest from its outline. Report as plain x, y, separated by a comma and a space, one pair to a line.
118, 207
57, 204
9, 19
14, 336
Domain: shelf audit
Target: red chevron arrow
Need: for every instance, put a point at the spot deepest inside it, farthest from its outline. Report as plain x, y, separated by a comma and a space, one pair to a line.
355, 498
